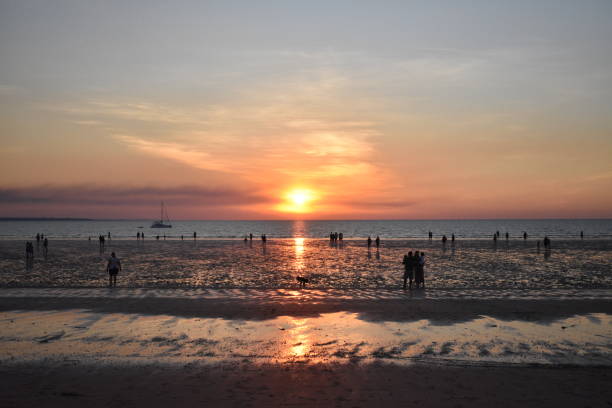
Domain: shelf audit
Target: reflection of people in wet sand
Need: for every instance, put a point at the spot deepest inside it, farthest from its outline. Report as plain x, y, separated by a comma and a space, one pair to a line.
113, 267
420, 270
409, 263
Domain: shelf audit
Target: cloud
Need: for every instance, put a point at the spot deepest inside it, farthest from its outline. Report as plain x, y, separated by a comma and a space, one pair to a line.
126, 196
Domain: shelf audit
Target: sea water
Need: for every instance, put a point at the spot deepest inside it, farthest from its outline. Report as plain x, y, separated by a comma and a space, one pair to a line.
386, 229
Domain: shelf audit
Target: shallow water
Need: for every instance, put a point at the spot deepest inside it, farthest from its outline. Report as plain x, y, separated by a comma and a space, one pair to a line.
343, 336
468, 264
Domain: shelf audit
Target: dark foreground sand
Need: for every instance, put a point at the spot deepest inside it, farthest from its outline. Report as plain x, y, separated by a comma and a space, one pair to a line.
323, 385
68, 380
300, 304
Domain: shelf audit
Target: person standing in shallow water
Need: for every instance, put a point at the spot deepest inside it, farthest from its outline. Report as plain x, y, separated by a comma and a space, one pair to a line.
113, 267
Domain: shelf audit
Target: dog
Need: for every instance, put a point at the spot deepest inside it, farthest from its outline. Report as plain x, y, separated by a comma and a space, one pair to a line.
302, 281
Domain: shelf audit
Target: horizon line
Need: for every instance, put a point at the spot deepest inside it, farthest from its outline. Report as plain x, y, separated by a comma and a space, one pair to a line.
298, 219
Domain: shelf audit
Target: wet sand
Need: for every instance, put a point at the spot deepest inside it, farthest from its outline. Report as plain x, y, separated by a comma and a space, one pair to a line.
468, 264
395, 305
96, 347
72, 384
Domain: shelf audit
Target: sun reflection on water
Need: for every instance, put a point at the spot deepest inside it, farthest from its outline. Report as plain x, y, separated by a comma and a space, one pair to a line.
299, 338
299, 254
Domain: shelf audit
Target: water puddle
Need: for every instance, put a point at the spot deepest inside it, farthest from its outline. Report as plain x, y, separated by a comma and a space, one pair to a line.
342, 336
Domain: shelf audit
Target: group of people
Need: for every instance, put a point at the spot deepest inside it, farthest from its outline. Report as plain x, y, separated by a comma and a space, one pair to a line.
30, 246
102, 241
335, 236
377, 241
414, 269
249, 237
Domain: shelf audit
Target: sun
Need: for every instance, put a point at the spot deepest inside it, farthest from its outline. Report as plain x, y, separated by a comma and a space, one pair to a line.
297, 200
299, 197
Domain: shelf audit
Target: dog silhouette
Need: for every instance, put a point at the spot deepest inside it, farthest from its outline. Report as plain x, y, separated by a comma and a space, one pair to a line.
302, 281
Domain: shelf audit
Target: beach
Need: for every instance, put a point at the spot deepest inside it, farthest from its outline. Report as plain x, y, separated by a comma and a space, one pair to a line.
105, 347
224, 323
226, 263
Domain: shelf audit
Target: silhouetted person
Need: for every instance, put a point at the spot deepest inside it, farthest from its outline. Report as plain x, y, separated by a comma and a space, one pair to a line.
581, 234
142, 236
377, 241
194, 236
430, 235
444, 239
340, 236
524, 235
250, 237
420, 270
109, 237
409, 264
546, 242
157, 237
453, 237
29, 250
164, 237
497, 233
369, 242
182, 238
37, 238
113, 267
45, 247
507, 236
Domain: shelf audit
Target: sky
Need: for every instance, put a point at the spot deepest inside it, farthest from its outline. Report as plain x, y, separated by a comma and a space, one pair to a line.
306, 109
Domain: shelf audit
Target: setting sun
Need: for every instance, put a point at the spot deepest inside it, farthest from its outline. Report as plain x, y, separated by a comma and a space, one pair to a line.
297, 200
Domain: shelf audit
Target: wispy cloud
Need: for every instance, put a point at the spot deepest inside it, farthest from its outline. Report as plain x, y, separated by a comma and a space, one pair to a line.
128, 196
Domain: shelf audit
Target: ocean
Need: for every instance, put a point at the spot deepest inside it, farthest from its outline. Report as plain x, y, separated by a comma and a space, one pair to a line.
386, 229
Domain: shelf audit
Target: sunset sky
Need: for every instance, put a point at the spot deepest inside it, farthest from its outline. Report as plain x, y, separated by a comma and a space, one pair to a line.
306, 109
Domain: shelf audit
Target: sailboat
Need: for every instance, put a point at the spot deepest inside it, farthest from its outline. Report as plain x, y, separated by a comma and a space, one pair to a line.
160, 223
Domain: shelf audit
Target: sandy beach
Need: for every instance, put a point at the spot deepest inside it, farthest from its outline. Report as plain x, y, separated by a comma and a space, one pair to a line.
223, 323
68, 347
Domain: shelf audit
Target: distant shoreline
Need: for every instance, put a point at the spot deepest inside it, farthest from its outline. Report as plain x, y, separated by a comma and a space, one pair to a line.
306, 220
46, 219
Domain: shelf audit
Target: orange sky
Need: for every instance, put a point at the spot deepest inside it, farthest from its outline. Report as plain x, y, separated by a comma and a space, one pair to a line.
107, 113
